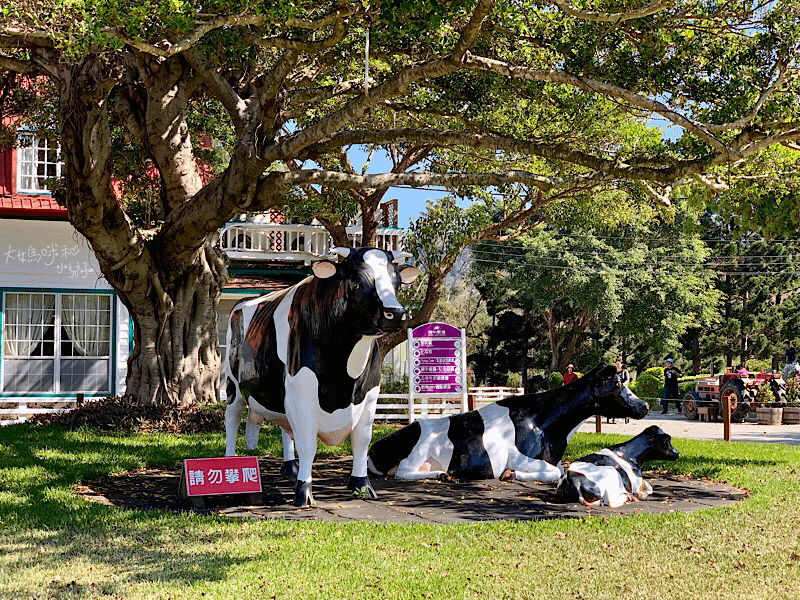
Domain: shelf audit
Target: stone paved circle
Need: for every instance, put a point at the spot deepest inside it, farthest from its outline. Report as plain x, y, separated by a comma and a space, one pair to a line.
438, 502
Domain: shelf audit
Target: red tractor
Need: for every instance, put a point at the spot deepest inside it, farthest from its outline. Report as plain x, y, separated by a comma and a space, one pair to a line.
740, 391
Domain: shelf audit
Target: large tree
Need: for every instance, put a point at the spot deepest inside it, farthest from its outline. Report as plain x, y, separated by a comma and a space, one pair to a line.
536, 98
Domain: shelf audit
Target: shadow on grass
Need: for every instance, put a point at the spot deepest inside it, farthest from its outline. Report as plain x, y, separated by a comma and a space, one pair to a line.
134, 554
44, 520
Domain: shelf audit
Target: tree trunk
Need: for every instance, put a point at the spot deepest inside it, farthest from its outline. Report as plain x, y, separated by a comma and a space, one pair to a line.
432, 295
177, 359
524, 369
554, 339
697, 361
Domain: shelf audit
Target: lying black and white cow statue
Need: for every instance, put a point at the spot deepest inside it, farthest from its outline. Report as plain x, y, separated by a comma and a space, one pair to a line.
521, 437
307, 359
613, 475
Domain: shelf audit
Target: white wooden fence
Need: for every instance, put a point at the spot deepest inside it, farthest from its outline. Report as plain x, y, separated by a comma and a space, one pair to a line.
391, 407
398, 407
20, 409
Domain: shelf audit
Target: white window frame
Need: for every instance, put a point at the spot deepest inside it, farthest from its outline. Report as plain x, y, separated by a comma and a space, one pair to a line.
57, 357
28, 163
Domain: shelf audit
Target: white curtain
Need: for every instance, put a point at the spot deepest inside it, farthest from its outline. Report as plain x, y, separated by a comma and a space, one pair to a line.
86, 319
26, 316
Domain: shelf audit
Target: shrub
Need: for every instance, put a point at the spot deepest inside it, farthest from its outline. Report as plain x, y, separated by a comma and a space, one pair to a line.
395, 386
754, 365
121, 413
554, 380
649, 384
793, 392
688, 384
764, 394
513, 380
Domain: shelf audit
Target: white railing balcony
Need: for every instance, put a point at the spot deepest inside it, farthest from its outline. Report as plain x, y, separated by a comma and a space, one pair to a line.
291, 243
387, 238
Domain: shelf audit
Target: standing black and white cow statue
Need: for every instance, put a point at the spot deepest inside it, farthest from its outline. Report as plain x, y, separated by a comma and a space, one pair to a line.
307, 359
520, 437
613, 475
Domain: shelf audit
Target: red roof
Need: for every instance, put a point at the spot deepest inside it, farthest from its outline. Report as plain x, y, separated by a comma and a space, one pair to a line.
31, 206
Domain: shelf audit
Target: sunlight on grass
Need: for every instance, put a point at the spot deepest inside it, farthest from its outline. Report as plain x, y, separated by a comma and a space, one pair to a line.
54, 544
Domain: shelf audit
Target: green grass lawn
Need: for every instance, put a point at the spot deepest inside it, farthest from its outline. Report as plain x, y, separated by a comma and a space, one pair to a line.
55, 544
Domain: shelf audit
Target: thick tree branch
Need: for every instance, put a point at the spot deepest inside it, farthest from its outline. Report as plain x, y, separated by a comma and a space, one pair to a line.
598, 87
357, 107
480, 141
283, 42
12, 37
344, 181
8, 63
300, 97
220, 88
765, 95
165, 48
604, 17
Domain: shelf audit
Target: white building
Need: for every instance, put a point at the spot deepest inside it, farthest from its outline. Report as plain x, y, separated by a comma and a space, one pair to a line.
64, 331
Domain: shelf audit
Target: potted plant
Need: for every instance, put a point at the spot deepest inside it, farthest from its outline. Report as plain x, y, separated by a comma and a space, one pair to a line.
791, 412
767, 413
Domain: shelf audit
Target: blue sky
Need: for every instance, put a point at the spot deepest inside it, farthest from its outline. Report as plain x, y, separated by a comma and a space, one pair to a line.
411, 202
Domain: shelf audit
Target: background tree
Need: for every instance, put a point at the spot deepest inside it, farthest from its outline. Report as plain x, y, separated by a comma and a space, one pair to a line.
757, 280
550, 97
628, 284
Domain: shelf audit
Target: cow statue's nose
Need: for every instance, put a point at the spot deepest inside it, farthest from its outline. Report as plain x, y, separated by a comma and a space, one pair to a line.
389, 315
394, 317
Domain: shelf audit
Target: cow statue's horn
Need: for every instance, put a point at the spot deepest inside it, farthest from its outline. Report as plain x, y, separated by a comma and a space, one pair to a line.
400, 255
341, 251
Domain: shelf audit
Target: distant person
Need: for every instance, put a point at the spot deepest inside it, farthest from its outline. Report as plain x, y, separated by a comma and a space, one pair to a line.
742, 370
624, 377
671, 374
791, 360
569, 376
622, 371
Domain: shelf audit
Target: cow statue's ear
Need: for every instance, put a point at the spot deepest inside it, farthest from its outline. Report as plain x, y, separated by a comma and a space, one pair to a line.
324, 269
409, 274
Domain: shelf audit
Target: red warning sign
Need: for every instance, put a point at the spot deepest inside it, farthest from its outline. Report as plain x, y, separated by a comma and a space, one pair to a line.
225, 475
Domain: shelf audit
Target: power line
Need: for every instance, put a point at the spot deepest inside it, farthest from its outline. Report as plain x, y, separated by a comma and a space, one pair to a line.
767, 258
618, 271
671, 260
661, 239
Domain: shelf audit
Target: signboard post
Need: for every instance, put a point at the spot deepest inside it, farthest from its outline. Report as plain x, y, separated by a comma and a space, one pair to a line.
437, 364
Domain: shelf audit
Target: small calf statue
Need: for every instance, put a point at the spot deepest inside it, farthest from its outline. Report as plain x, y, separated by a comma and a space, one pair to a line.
521, 437
613, 475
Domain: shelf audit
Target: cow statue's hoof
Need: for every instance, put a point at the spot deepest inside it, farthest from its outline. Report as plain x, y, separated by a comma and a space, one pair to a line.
302, 494
289, 469
361, 488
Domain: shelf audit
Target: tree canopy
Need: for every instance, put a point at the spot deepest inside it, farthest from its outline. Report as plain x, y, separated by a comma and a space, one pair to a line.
535, 100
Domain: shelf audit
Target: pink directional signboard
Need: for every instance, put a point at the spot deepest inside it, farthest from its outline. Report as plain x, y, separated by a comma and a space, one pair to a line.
437, 357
